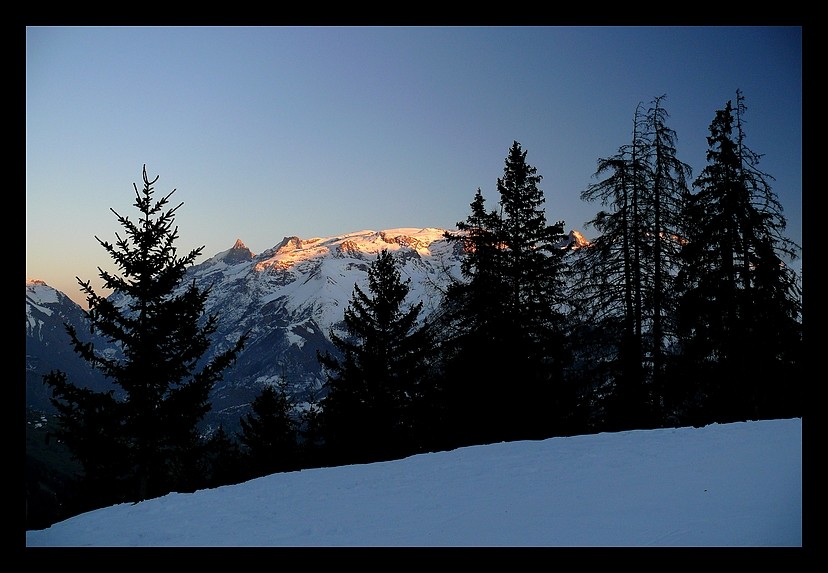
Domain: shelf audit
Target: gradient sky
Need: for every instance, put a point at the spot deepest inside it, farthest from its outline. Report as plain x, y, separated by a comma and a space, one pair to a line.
267, 132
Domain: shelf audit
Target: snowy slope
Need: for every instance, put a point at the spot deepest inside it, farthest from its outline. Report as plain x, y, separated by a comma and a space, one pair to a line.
724, 485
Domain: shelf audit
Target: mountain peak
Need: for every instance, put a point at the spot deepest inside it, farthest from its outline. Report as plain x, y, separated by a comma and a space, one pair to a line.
238, 254
577, 240
291, 243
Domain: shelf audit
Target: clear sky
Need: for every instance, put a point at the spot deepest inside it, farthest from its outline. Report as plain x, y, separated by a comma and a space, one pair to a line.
268, 132
724, 485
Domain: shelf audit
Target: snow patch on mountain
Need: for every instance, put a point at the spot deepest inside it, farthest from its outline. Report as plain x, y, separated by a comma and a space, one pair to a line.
315, 278
39, 293
38, 296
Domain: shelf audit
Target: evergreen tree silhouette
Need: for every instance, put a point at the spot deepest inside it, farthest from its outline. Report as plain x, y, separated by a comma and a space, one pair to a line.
368, 412
625, 299
142, 440
222, 460
505, 348
270, 432
740, 303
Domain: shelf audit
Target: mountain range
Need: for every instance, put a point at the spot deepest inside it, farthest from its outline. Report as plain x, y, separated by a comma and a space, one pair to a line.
289, 298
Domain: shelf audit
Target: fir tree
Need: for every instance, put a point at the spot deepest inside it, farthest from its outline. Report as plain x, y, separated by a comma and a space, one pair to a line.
474, 326
368, 412
222, 460
739, 313
625, 298
270, 432
478, 302
669, 191
142, 440
506, 337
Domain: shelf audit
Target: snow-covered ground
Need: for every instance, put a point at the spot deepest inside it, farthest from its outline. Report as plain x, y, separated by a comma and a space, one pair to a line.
724, 485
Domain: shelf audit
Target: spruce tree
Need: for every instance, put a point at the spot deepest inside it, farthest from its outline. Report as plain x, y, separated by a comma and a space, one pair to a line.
142, 439
607, 304
222, 460
270, 432
474, 330
311, 431
669, 192
368, 412
507, 337
625, 299
740, 309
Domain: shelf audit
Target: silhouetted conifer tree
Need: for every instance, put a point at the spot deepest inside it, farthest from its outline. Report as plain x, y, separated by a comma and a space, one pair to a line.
270, 432
625, 297
222, 460
504, 343
740, 305
474, 330
142, 440
372, 388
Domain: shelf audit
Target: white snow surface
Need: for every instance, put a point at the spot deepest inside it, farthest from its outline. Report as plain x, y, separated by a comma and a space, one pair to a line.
723, 485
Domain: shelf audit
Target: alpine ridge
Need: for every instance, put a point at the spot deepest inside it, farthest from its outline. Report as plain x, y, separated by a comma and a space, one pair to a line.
288, 298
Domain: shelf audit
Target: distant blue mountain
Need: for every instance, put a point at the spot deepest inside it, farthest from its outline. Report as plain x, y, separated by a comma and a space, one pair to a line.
48, 346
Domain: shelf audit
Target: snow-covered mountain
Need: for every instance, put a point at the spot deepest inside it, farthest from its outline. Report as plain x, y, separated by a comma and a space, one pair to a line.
288, 298
312, 280
48, 346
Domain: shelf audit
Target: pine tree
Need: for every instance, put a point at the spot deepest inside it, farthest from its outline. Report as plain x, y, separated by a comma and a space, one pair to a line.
740, 310
507, 339
608, 278
311, 431
222, 460
625, 293
669, 191
141, 441
368, 411
270, 432
478, 303
474, 326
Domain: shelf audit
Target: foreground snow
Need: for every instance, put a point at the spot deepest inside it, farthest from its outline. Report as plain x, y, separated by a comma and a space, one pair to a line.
723, 485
